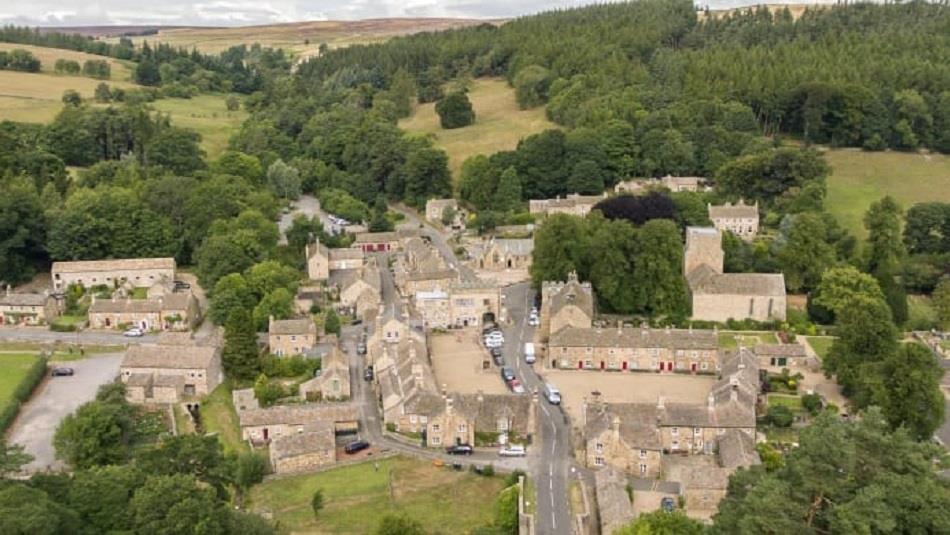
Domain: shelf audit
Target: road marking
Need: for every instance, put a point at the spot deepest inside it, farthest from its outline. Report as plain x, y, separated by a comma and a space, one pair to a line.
553, 518
551, 485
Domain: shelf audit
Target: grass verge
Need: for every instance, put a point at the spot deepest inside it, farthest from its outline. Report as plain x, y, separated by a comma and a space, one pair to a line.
357, 496
218, 416
821, 345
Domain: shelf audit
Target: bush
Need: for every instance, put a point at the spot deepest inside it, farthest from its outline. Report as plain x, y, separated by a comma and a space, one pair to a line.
289, 366
512, 478
63, 327
23, 390
780, 416
812, 403
455, 111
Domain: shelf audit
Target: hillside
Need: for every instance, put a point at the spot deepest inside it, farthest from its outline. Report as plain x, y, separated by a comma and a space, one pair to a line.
304, 38
36, 97
499, 123
121, 70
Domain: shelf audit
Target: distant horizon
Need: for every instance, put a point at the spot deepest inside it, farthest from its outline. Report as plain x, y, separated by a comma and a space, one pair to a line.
53, 14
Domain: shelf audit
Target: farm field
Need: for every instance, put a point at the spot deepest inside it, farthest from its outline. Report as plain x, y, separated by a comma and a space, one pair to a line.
499, 123
37, 97
357, 496
206, 114
859, 178
121, 70
14, 366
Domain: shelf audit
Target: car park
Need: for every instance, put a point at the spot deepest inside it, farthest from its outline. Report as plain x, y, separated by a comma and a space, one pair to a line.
507, 374
460, 449
62, 371
134, 332
512, 450
356, 446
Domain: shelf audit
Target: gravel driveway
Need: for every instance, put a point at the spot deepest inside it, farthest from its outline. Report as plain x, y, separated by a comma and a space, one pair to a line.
53, 400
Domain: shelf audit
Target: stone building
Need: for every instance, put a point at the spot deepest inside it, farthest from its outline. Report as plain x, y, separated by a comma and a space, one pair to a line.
383, 241
167, 373
633, 187
573, 204
433, 308
473, 302
27, 308
781, 355
635, 349
321, 260
718, 296
435, 208
506, 253
291, 337
176, 311
360, 289
678, 184
261, 425
458, 418
637, 437
741, 219
566, 304
613, 501
137, 272
303, 452
333, 381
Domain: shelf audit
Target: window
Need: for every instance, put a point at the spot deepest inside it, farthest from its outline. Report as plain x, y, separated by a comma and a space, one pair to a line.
643, 469
423, 419
675, 445
588, 364
598, 461
436, 428
674, 431
436, 441
599, 447
413, 418
643, 454
697, 431
590, 349
300, 429
293, 338
502, 424
704, 365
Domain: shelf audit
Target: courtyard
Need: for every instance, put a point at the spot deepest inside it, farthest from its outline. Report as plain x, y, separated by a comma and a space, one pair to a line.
618, 387
458, 359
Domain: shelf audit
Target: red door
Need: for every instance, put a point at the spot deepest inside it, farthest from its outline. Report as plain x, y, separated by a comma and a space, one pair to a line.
669, 366
692, 367
602, 365
624, 365
580, 365
265, 433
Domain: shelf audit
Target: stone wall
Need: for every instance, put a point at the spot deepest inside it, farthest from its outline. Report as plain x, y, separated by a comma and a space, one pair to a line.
721, 307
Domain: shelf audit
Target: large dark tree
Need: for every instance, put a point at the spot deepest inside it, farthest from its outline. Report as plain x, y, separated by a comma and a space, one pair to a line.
455, 110
638, 209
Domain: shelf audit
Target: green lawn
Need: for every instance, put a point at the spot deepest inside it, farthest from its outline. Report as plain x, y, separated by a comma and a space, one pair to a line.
206, 114
357, 496
14, 366
499, 123
218, 416
792, 402
821, 344
731, 339
859, 178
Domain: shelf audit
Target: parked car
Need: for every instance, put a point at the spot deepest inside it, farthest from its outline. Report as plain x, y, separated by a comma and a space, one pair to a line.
460, 449
507, 374
667, 504
529, 353
516, 386
134, 332
355, 446
182, 285
361, 348
512, 450
368, 374
489, 327
62, 371
552, 394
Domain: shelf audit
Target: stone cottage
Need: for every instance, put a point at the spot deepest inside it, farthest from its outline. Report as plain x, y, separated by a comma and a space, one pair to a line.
137, 272
160, 373
291, 337
18, 308
332, 382
740, 219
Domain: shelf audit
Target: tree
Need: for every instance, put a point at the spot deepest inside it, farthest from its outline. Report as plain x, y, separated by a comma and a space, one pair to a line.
232, 103
927, 228
177, 150
240, 356
448, 216
941, 301
806, 252
455, 110
29, 511
231, 293
22, 231
238, 164
764, 176
102, 94
101, 496
146, 73
426, 175
304, 230
558, 249
506, 511
195, 455
331, 323
866, 337
284, 180
72, 98
658, 270
96, 434
840, 285
780, 416
531, 86
507, 197
267, 276
277, 304
316, 502
662, 523
249, 470
638, 209
378, 221
886, 253
12, 458
169, 504
910, 396
398, 524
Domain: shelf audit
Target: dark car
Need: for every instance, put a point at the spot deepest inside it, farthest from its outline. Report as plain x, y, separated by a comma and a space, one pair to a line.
357, 322
353, 447
182, 285
507, 374
63, 372
368, 374
460, 449
498, 359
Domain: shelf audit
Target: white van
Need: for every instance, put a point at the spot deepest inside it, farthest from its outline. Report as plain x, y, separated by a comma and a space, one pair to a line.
529, 353
553, 394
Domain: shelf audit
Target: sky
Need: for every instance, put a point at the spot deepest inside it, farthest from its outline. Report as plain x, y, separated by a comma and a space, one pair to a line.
248, 12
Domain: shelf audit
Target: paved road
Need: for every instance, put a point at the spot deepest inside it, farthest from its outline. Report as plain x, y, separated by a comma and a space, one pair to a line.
309, 206
551, 465
53, 400
44, 335
439, 239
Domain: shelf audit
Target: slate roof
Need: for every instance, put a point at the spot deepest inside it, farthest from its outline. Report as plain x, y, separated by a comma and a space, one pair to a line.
613, 502
302, 414
487, 409
635, 338
376, 237
292, 326
737, 449
637, 423
318, 440
696, 471
347, 253
705, 281
576, 294
169, 356
733, 211
113, 265
170, 301
23, 299
780, 350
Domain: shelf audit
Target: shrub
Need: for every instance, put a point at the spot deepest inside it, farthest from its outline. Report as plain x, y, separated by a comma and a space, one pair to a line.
811, 403
780, 416
455, 111
289, 366
512, 478
23, 390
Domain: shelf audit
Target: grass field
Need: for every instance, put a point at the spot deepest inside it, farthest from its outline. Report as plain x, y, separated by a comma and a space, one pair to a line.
499, 123
207, 115
37, 97
792, 402
121, 70
218, 416
731, 340
821, 344
357, 496
14, 367
859, 178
